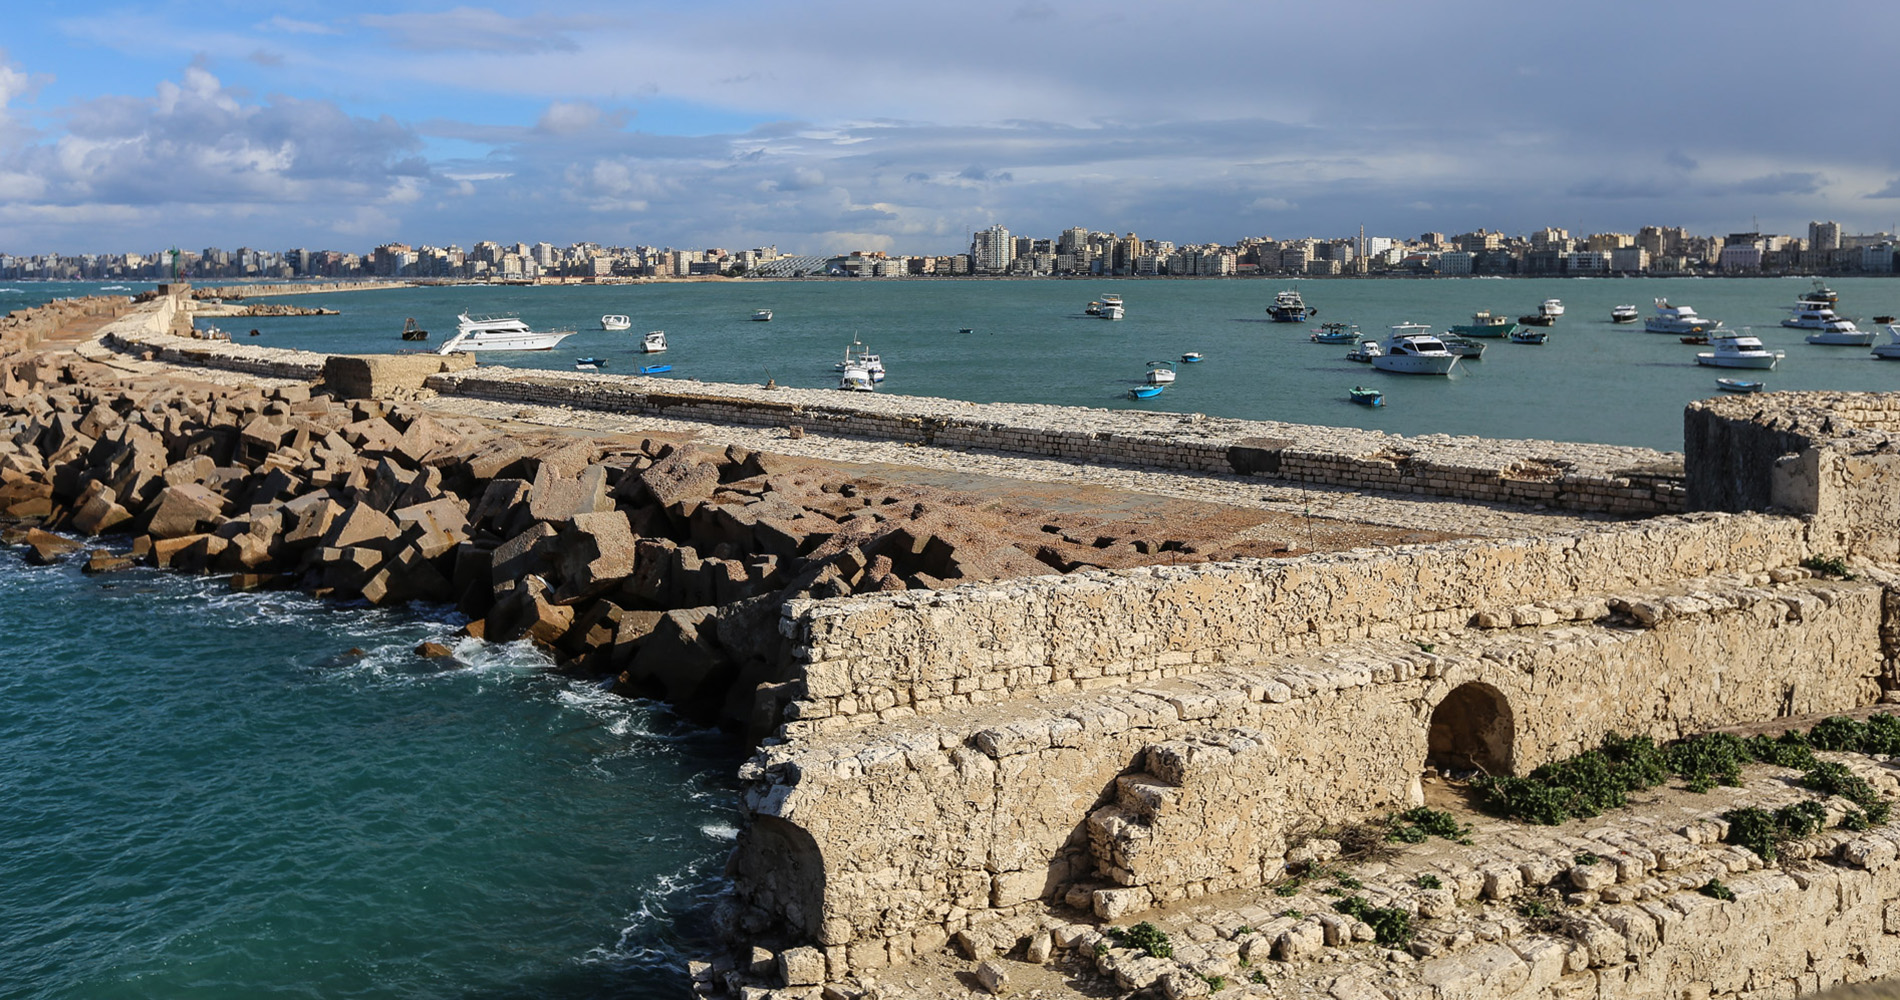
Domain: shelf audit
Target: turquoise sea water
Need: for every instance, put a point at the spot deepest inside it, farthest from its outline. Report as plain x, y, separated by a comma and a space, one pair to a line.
1032, 343
208, 796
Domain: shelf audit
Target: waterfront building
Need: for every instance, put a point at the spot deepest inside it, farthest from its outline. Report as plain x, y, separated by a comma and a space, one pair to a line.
1629, 260
1877, 259
1824, 236
991, 250
1455, 262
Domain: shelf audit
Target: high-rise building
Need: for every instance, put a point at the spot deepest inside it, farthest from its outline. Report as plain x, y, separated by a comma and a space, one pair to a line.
991, 249
1824, 236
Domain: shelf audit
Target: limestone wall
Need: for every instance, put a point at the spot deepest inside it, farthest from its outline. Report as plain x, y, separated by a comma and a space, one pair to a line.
1564, 475
1116, 799
897, 654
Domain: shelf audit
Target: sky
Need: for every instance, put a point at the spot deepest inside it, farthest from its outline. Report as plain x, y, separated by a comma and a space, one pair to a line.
825, 128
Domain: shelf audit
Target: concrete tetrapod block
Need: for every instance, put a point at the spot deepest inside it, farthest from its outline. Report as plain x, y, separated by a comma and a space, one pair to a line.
181, 510
594, 553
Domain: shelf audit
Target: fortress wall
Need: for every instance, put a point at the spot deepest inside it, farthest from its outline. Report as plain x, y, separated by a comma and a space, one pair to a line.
920, 653
1583, 477
879, 843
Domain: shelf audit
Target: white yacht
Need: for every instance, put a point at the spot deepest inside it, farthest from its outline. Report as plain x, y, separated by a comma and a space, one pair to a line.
1160, 372
499, 333
1841, 332
1678, 320
1810, 316
1552, 308
1625, 314
1111, 307
1412, 349
654, 342
614, 321
1890, 351
762, 316
1737, 350
857, 378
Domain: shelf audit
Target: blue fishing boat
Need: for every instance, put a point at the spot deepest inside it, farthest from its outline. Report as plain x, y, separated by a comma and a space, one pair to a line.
1367, 397
1145, 391
1192, 358
655, 369
1738, 385
590, 364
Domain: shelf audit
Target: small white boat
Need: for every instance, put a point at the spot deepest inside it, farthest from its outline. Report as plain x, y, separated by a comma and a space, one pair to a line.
856, 356
615, 321
1412, 349
857, 378
1093, 309
1738, 385
1841, 332
1737, 350
499, 333
1625, 314
1111, 307
1820, 294
1192, 358
1365, 352
654, 342
1890, 351
762, 316
1552, 308
1160, 372
1678, 320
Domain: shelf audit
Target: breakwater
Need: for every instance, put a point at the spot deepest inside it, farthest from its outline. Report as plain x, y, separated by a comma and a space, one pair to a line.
991, 763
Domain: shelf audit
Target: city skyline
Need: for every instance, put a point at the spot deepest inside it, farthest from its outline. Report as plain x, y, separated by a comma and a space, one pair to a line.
754, 124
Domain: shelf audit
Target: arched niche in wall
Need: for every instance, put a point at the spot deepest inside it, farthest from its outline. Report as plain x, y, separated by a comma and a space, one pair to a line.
1472, 729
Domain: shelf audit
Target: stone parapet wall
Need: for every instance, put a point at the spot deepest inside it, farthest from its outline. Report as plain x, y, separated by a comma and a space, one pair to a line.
897, 654
136, 336
1583, 477
24, 328
1118, 799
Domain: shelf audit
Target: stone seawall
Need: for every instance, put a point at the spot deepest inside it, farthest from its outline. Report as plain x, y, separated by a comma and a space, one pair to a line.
1118, 799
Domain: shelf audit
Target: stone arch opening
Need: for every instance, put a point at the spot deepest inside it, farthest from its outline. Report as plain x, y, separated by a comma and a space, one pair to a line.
1471, 729
779, 873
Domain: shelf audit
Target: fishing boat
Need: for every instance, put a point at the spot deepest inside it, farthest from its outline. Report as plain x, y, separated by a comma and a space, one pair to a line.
499, 333
1288, 307
965, 330
1820, 294
410, 331
1160, 372
1093, 309
654, 342
1536, 319
1889, 351
857, 356
1464, 347
1530, 336
1145, 391
1335, 333
1111, 307
1552, 308
1737, 350
1695, 338
590, 364
655, 369
1366, 397
1483, 324
1625, 314
1738, 385
857, 378
1365, 351
762, 316
1412, 349
1192, 358
615, 321
1678, 320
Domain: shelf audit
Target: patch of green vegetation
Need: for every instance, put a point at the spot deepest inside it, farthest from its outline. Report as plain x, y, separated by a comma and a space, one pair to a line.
1764, 832
1535, 909
1430, 881
1413, 826
1348, 882
1258, 978
1293, 914
1215, 984
1834, 566
1598, 780
1391, 926
1243, 929
1714, 889
1145, 936
1586, 859
1855, 820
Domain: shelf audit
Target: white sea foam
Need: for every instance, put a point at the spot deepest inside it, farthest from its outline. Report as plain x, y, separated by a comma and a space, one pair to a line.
720, 831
